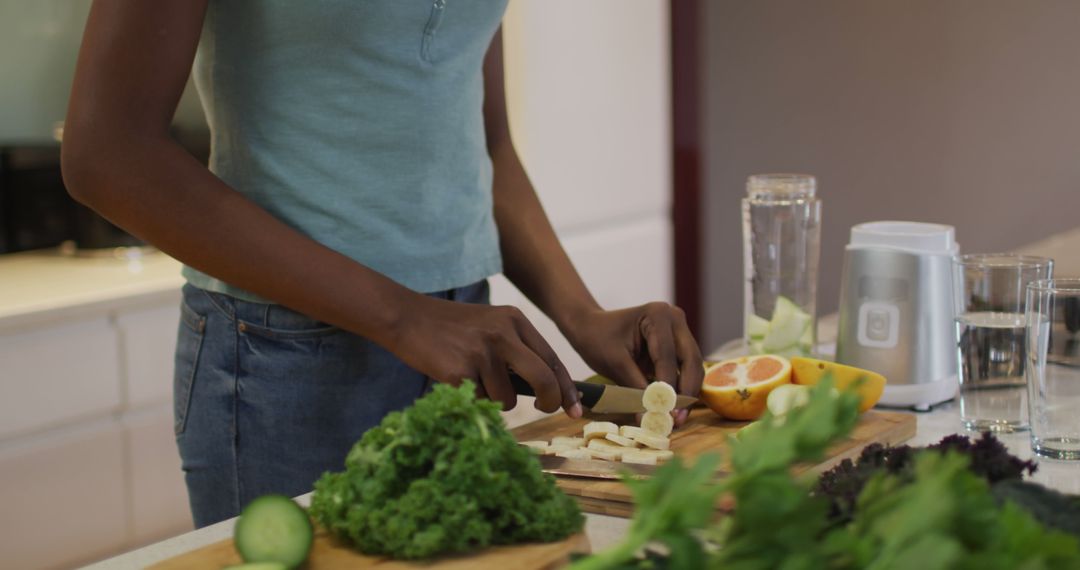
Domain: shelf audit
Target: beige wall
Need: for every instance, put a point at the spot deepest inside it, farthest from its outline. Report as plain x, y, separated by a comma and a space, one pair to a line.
964, 112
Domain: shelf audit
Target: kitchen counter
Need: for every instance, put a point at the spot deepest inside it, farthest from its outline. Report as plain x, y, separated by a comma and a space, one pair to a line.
40, 287
604, 531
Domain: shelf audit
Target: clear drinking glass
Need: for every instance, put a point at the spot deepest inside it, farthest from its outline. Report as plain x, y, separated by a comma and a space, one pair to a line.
781, 243
1053, 371
990, 334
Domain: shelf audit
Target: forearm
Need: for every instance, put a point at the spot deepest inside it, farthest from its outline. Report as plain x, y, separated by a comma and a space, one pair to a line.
150, 186
533, 258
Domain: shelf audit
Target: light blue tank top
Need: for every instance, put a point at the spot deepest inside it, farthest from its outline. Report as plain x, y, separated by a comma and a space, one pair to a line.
358, 123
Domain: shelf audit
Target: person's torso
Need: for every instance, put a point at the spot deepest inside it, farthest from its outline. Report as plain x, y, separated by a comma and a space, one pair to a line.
359, 123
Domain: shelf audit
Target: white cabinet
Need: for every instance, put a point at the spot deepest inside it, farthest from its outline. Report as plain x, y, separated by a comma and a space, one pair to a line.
148, 338
88, 460
64, 499
57, 374
159, 504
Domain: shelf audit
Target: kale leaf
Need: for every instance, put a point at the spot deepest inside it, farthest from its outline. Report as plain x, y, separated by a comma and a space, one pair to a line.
440, 477
988, 458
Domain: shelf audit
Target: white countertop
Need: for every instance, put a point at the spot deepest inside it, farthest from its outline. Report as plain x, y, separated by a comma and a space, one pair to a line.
38, 287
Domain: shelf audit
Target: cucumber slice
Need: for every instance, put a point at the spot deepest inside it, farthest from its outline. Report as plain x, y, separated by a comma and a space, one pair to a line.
273, 528
257, 566
789, 322
756, 327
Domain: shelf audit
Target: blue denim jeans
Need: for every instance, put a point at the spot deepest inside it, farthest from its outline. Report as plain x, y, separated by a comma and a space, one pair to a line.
267, 399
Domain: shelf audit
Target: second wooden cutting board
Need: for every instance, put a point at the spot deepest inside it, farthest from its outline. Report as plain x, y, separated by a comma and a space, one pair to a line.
704, 432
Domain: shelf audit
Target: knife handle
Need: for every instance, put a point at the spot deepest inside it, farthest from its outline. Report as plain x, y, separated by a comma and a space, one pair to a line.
588, 394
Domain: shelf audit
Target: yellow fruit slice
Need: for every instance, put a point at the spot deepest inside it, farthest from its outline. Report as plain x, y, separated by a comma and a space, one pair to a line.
810, 371
738, 388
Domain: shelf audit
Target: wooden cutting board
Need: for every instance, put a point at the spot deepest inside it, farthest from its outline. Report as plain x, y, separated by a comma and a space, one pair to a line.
705, 431
328, 554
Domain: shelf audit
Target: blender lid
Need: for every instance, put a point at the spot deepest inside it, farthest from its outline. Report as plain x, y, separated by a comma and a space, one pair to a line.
908, 236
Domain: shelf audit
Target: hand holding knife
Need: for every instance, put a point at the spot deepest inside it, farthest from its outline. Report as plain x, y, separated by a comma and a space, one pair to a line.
604, 398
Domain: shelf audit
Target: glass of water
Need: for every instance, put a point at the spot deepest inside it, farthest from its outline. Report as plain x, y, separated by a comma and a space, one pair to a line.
1053, 369
990, 333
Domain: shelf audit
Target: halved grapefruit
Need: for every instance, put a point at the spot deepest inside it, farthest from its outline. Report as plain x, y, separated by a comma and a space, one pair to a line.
869, 385
737, 389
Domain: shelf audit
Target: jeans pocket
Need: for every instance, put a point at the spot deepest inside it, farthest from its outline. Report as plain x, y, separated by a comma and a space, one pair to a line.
281, 323
189, 341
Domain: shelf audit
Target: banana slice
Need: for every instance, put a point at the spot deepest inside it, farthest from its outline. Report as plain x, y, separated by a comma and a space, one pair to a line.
661, 454
623, 441
607, 453
569, 442
640, 458
602, 444
538, 447
658, 423
653, 441
659, 397
629, 431
575, 454
599, 429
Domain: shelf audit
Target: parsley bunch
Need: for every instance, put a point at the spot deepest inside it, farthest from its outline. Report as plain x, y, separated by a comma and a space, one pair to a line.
440, 477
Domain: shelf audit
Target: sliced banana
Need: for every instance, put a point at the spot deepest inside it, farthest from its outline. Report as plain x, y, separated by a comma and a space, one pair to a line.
629, 431
607, 453
661, 454
623, 441
640, 458
575, 454
600, 429
653, 441
570, 442
602, 444
659, 397
536, 446
658, 423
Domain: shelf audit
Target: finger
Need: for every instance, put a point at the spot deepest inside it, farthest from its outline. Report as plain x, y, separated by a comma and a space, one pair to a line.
660, 342
567, 391
535, 371
481, 393
691, 369
496, 382
627, 373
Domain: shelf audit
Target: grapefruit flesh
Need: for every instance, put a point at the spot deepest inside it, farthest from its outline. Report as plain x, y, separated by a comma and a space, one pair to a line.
738, 388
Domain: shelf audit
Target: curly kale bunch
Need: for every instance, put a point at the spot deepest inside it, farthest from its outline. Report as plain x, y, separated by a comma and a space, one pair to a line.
440, 477
988, 458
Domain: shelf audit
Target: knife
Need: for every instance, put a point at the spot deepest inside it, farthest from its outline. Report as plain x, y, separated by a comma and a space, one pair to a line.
593, 469
604, 398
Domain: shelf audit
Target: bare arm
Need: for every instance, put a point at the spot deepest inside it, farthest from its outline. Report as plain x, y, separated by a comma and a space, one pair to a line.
119, 159
628, 345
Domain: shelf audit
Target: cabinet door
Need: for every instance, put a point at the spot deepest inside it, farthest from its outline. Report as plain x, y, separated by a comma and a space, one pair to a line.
63, 499
57, 374
158, 495
148, 339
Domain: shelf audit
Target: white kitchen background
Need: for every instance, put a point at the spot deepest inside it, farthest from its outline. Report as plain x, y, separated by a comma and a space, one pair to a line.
88, 464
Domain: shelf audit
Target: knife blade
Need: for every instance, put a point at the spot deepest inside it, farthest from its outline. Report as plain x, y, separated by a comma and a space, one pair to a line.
604, 398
